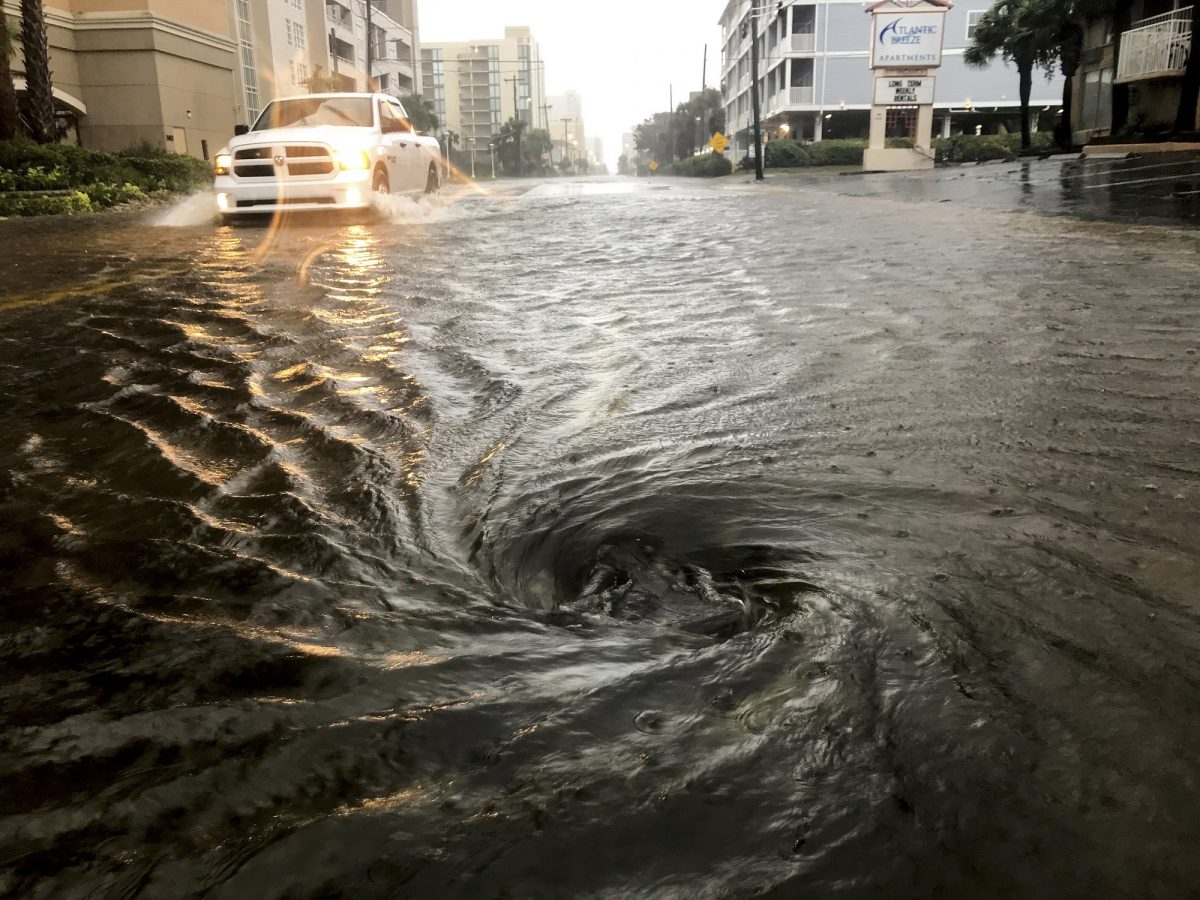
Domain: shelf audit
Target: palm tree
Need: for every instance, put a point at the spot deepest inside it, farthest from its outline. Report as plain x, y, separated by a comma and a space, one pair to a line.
38, 87
1023, 33
8, 92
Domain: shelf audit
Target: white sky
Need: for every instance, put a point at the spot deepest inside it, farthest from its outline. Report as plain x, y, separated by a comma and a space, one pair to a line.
620, 55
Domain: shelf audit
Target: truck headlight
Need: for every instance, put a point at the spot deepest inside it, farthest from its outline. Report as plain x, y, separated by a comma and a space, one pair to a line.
223, 164
351, 160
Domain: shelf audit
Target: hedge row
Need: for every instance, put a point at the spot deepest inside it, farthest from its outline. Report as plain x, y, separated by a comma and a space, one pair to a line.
708, 165
65, 204
784, 154
103, 179
984, 147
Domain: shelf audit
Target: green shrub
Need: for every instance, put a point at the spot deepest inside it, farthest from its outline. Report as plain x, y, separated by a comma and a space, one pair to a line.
983, 147
103, 196
708, 165
44, 204
841, 152
788, 154
66, 166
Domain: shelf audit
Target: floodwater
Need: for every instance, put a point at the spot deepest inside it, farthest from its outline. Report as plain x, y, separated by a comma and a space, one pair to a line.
600, 539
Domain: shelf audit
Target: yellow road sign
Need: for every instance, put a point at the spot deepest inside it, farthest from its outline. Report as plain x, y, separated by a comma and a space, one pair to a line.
653, 165
719, 142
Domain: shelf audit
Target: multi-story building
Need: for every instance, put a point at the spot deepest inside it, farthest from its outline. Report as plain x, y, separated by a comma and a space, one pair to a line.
477, 86
1148, 68
180, 75
292, 46
815, 81
564, 121
595, 151
132, 71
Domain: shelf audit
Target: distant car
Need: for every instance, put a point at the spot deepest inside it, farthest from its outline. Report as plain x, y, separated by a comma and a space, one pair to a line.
325, 151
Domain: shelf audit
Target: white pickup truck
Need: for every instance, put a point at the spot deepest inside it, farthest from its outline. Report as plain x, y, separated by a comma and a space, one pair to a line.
324, 151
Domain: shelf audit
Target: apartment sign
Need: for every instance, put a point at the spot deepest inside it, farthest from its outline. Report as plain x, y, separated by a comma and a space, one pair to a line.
903, 91
904, 39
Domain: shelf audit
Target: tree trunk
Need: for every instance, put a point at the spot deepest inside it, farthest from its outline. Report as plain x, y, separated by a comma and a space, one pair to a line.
1069, 53
1025, 72
1122, 13
36, 46
8, 92
1189, 90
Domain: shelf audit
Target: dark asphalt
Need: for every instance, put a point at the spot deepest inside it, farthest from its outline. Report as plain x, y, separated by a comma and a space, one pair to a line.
1161, 188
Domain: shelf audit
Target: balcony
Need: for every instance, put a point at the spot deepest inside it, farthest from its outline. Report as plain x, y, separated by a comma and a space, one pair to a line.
804, 43
800, 96
1156, 47
339, 15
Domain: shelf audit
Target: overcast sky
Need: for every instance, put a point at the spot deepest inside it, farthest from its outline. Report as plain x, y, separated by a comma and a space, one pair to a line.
621, 55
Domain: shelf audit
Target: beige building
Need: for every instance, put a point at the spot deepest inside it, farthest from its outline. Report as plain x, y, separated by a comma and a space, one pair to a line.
288, 46
128, 71
477, 86
565, 118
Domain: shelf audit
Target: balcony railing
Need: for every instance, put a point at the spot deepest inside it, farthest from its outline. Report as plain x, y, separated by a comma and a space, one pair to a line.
1156, 47
800, 96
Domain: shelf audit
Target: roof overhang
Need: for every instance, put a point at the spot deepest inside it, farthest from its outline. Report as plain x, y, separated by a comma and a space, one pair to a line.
60, 95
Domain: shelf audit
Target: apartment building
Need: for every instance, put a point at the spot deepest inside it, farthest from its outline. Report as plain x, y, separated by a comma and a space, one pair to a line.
1149, 67
291, 46
815, 80
477, 86
132, 71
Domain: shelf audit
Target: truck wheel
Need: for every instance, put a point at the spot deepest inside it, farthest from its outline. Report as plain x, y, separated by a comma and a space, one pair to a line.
432, 183
380, 185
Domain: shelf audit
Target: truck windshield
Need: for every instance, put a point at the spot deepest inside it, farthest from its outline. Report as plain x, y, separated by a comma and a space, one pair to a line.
354, 112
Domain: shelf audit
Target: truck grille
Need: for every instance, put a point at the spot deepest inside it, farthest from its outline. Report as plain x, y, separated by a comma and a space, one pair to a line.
291, 161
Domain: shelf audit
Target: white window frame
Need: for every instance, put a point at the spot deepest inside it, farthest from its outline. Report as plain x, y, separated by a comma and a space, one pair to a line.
973, 17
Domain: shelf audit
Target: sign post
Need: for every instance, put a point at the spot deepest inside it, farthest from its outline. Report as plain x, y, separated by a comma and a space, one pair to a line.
906, 51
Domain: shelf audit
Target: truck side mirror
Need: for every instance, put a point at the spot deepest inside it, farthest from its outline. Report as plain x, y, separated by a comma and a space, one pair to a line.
239, 130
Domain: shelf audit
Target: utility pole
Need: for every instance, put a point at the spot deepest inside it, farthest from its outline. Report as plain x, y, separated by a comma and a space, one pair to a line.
754, 98
517, 126
704, 72
545, 108
370, 45
566, 134
671, 125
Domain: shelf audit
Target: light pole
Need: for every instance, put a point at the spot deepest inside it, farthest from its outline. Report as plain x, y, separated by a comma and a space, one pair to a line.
473, 158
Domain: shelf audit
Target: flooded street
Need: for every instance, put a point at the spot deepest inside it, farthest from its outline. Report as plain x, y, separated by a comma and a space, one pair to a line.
615, 539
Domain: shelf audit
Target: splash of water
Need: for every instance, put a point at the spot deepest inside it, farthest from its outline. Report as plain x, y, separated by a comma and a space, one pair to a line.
403, 210
198, 209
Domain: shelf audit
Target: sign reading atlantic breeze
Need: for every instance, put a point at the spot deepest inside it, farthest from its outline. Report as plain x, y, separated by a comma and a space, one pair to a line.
907, 39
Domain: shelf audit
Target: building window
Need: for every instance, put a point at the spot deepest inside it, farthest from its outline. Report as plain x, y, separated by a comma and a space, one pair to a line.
973, 21
249, 69
295, 34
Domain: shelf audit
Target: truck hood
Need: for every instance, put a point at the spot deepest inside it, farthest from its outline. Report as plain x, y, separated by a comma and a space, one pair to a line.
338, 135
